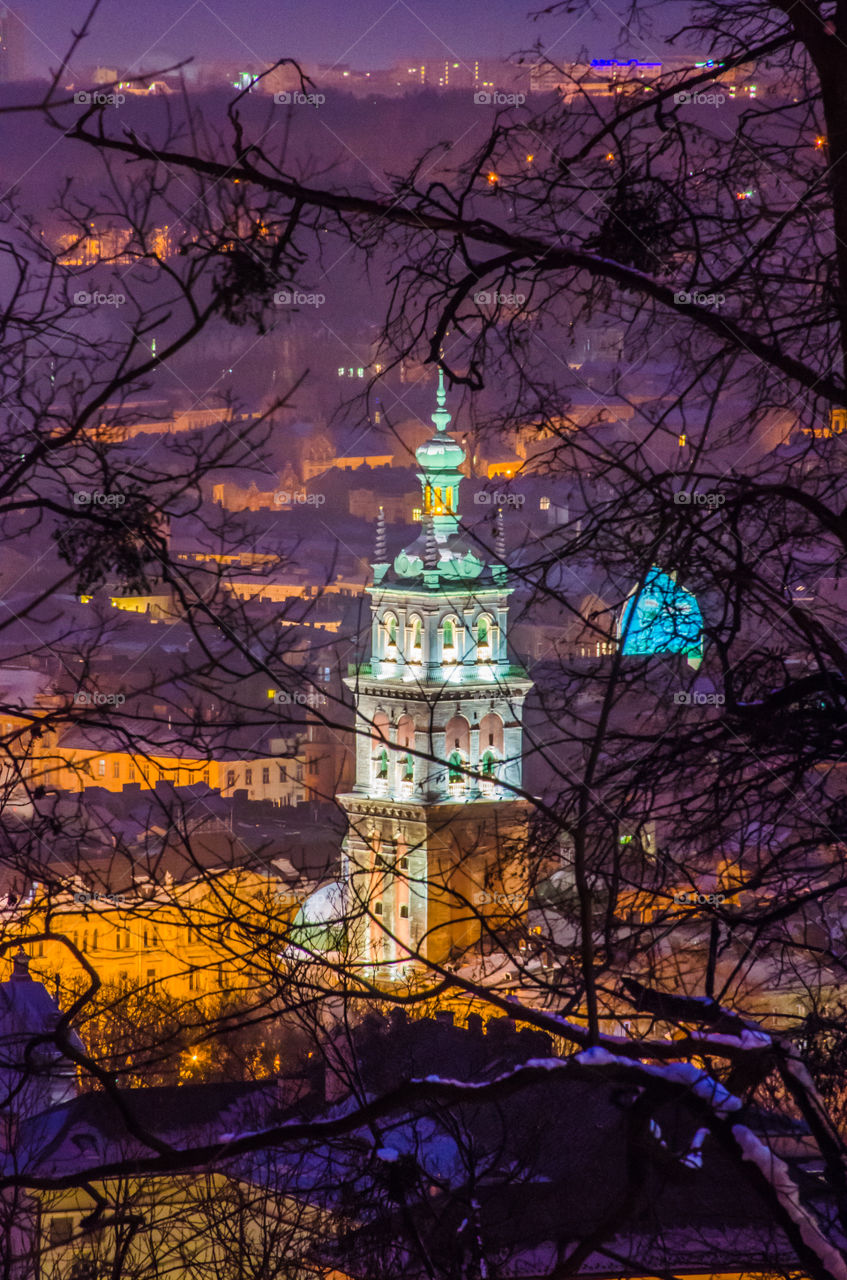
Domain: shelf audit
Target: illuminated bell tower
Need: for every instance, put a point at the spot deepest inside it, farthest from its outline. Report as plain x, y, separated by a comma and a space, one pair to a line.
435, 814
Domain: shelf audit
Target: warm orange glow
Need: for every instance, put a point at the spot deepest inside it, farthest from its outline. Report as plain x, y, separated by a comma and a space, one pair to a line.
530, 158
610, 157
820, 142
493, 178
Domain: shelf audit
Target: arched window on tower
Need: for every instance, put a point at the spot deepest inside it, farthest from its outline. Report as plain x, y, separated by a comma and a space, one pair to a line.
389, 637
488, 770
414, 639
451, 640
456, 768
405, 763
491, 748
457, 746
380, 733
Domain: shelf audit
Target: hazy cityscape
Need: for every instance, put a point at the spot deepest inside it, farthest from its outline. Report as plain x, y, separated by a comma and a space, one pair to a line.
423, 640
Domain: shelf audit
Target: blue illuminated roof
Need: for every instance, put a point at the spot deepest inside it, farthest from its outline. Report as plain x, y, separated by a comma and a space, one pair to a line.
662, 618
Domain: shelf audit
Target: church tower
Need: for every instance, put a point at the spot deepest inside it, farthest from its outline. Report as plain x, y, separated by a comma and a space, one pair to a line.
435, 850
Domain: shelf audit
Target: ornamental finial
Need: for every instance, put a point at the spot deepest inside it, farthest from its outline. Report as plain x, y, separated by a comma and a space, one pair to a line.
441, 417
380, 549
499, 536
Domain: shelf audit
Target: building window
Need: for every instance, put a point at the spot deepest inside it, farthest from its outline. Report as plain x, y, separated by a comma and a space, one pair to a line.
101, 768
299, 773
283, 773
404, 912
116, 769
377, 908
248, 777
266, 775
313, 765
94, 941
382, 764
145, 937
61, 1230
132, 773
408, 769
544, 504
404, 864
417, 514
206, 776
191, 980
449, 640
151, 975
230, 777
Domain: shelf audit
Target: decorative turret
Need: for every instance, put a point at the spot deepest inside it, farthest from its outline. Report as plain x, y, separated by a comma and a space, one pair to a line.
440, 460
380, 548
499, 536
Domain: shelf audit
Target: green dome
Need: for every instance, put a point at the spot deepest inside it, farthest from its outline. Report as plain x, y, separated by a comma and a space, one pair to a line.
440, 455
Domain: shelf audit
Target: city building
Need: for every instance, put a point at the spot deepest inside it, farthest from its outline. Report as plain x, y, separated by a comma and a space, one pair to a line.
433, 855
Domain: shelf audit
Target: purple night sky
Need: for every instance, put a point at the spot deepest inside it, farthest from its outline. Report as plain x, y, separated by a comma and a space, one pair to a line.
366, 33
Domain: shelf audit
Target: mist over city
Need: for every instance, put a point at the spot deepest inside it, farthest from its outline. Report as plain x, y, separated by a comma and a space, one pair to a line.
423, 640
